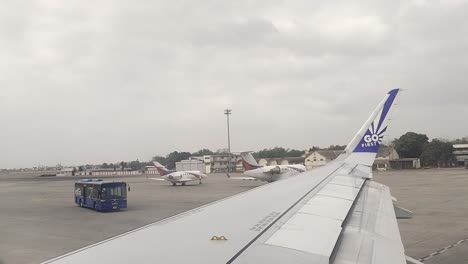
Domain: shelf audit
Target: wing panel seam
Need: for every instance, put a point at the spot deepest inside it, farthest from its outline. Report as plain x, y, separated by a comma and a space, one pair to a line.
279, 217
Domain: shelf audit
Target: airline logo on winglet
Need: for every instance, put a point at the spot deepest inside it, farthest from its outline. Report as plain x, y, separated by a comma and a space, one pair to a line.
373, 137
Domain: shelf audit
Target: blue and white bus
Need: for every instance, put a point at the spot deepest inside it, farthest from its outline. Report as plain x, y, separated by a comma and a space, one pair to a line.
101, 195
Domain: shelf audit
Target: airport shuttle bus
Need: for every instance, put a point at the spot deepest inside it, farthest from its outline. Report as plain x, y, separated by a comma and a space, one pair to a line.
101, 195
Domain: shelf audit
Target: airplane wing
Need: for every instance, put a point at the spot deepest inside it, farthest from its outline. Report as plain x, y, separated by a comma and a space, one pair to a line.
194, 173
333, 214
243, 178
180, 180
186, 180
157, 179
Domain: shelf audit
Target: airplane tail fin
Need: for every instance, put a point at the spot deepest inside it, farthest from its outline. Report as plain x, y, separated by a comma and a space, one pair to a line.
248, 161
161, 169
370, 136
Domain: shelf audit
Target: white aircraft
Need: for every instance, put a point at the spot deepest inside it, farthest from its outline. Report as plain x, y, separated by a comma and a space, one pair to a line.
176, 177
255, 171
332, 214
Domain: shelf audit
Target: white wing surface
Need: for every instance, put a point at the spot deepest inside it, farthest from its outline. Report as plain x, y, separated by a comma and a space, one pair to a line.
333, 214
243, 178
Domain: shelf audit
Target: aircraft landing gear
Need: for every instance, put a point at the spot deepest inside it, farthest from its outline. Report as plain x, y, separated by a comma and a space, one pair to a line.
174, 184
183, 184
200, 182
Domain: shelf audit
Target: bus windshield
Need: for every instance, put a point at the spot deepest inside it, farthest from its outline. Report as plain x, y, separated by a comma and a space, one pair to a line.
113, 192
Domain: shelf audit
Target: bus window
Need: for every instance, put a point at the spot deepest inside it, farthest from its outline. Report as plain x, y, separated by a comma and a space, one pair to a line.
78, 190
113, 192
104, 193
90, 192
96, 189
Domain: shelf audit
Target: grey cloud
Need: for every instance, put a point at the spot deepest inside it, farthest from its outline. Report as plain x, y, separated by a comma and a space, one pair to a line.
88, 82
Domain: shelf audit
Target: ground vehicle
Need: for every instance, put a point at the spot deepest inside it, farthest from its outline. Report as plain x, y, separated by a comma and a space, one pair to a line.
101, 195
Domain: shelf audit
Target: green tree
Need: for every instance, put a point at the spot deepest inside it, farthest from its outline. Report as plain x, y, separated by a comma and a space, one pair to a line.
174, 157
123, 164
295, 153
135, 165
314, 148
203, 152
411, 145
276, 152
337, 147
438, 154
159, 159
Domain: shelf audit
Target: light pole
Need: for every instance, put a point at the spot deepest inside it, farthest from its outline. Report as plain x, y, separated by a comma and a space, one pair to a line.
227, 112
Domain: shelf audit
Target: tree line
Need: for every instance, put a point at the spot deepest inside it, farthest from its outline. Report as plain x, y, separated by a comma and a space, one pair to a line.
170, 159
435, 153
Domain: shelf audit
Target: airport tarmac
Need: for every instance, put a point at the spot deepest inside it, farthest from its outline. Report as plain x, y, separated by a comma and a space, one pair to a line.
439, 201
40, 221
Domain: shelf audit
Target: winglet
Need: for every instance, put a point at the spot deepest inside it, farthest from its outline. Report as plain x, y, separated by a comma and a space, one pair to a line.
371, 134
248, 161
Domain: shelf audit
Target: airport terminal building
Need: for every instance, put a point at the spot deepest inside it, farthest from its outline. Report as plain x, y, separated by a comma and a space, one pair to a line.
460, 151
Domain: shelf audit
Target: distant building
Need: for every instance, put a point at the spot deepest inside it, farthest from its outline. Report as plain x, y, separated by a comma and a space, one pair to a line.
320, 157
219, 162
66, 172
383, 158
206, 160
460, 151
107, 172
281, 161
202, 164
406, 163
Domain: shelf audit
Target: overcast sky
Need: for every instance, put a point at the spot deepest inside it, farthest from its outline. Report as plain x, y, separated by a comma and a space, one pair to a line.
105, 81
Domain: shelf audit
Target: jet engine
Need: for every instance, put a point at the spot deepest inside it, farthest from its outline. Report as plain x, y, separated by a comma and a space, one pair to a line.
275, 170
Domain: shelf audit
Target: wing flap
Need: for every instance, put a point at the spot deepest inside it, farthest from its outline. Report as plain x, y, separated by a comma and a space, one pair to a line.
315, 226
339, 191
298, 231
371, 235
326, 206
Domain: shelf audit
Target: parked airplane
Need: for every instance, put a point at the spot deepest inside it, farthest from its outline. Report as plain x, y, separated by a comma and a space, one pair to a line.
333, 214
255, 171
176, 177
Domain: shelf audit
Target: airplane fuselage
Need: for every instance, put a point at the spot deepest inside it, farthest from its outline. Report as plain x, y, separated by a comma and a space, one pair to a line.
181, 177
274, 173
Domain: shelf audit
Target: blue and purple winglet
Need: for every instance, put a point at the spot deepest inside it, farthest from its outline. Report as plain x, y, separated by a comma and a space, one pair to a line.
373, 137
